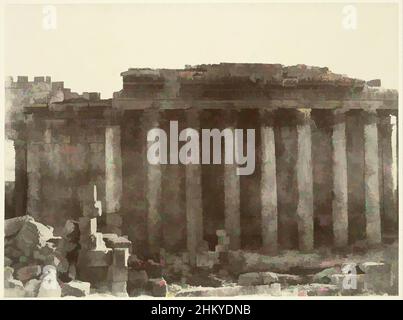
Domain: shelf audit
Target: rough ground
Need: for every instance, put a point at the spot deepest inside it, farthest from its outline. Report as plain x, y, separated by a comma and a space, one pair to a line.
40, 264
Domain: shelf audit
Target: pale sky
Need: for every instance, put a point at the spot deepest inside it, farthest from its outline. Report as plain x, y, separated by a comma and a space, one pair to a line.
92, 44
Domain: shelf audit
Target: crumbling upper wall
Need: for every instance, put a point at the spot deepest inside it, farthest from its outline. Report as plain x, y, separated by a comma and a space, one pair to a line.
21, 93
242, 81
41, 92
268, 73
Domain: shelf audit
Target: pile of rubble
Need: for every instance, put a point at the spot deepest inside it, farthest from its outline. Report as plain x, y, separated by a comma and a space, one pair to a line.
83, 261
225, 273
37, 263
80, 262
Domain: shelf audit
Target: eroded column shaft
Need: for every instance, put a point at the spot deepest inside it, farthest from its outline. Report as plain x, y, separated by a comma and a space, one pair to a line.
194, 209
304, 183
390, 213
173, 186
113, 169
268, 186
34, 180
372, 208
232, 191
340, 191
20, 193
153, 194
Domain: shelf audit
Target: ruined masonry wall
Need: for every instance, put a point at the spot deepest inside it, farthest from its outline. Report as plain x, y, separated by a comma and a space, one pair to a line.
62, 159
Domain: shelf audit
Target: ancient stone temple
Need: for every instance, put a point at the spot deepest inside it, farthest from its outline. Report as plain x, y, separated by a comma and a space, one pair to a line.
323, 167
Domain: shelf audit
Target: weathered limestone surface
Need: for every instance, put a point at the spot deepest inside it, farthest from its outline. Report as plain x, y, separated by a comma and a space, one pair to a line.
153, 193
305, 185
340, 200
134, 176
372, 210
212, 180
232, 192
194, 213
322, 160
20, 187
388, 203
250, 204
285, 139
268, 186
113, 169
232, 205
355, 177
173, 194
34, 186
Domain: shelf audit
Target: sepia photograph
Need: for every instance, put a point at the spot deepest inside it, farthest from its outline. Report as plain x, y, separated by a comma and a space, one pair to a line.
220, 150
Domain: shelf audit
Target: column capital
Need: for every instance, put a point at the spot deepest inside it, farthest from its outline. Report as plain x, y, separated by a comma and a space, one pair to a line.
370, 116
192, 116
20, 144
338, 111
231, 116
151, 117
303, 116
387, 112
113, 116
267, 117
292, 117
384, 124
339, 115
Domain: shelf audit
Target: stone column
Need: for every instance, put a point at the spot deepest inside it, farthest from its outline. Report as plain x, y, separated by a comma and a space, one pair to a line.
372, 210
268, 184
151, 119
20, 189
113, 178
194, 209
232, 193
304, 182
355, 177
390, 213
340, 191
173, 187
285, 132
134, 176
34, 180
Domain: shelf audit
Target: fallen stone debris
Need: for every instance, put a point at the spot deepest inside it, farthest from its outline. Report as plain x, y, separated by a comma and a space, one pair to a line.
84, 262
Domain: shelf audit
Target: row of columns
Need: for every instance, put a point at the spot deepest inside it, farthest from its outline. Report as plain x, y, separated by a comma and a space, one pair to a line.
268, 183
